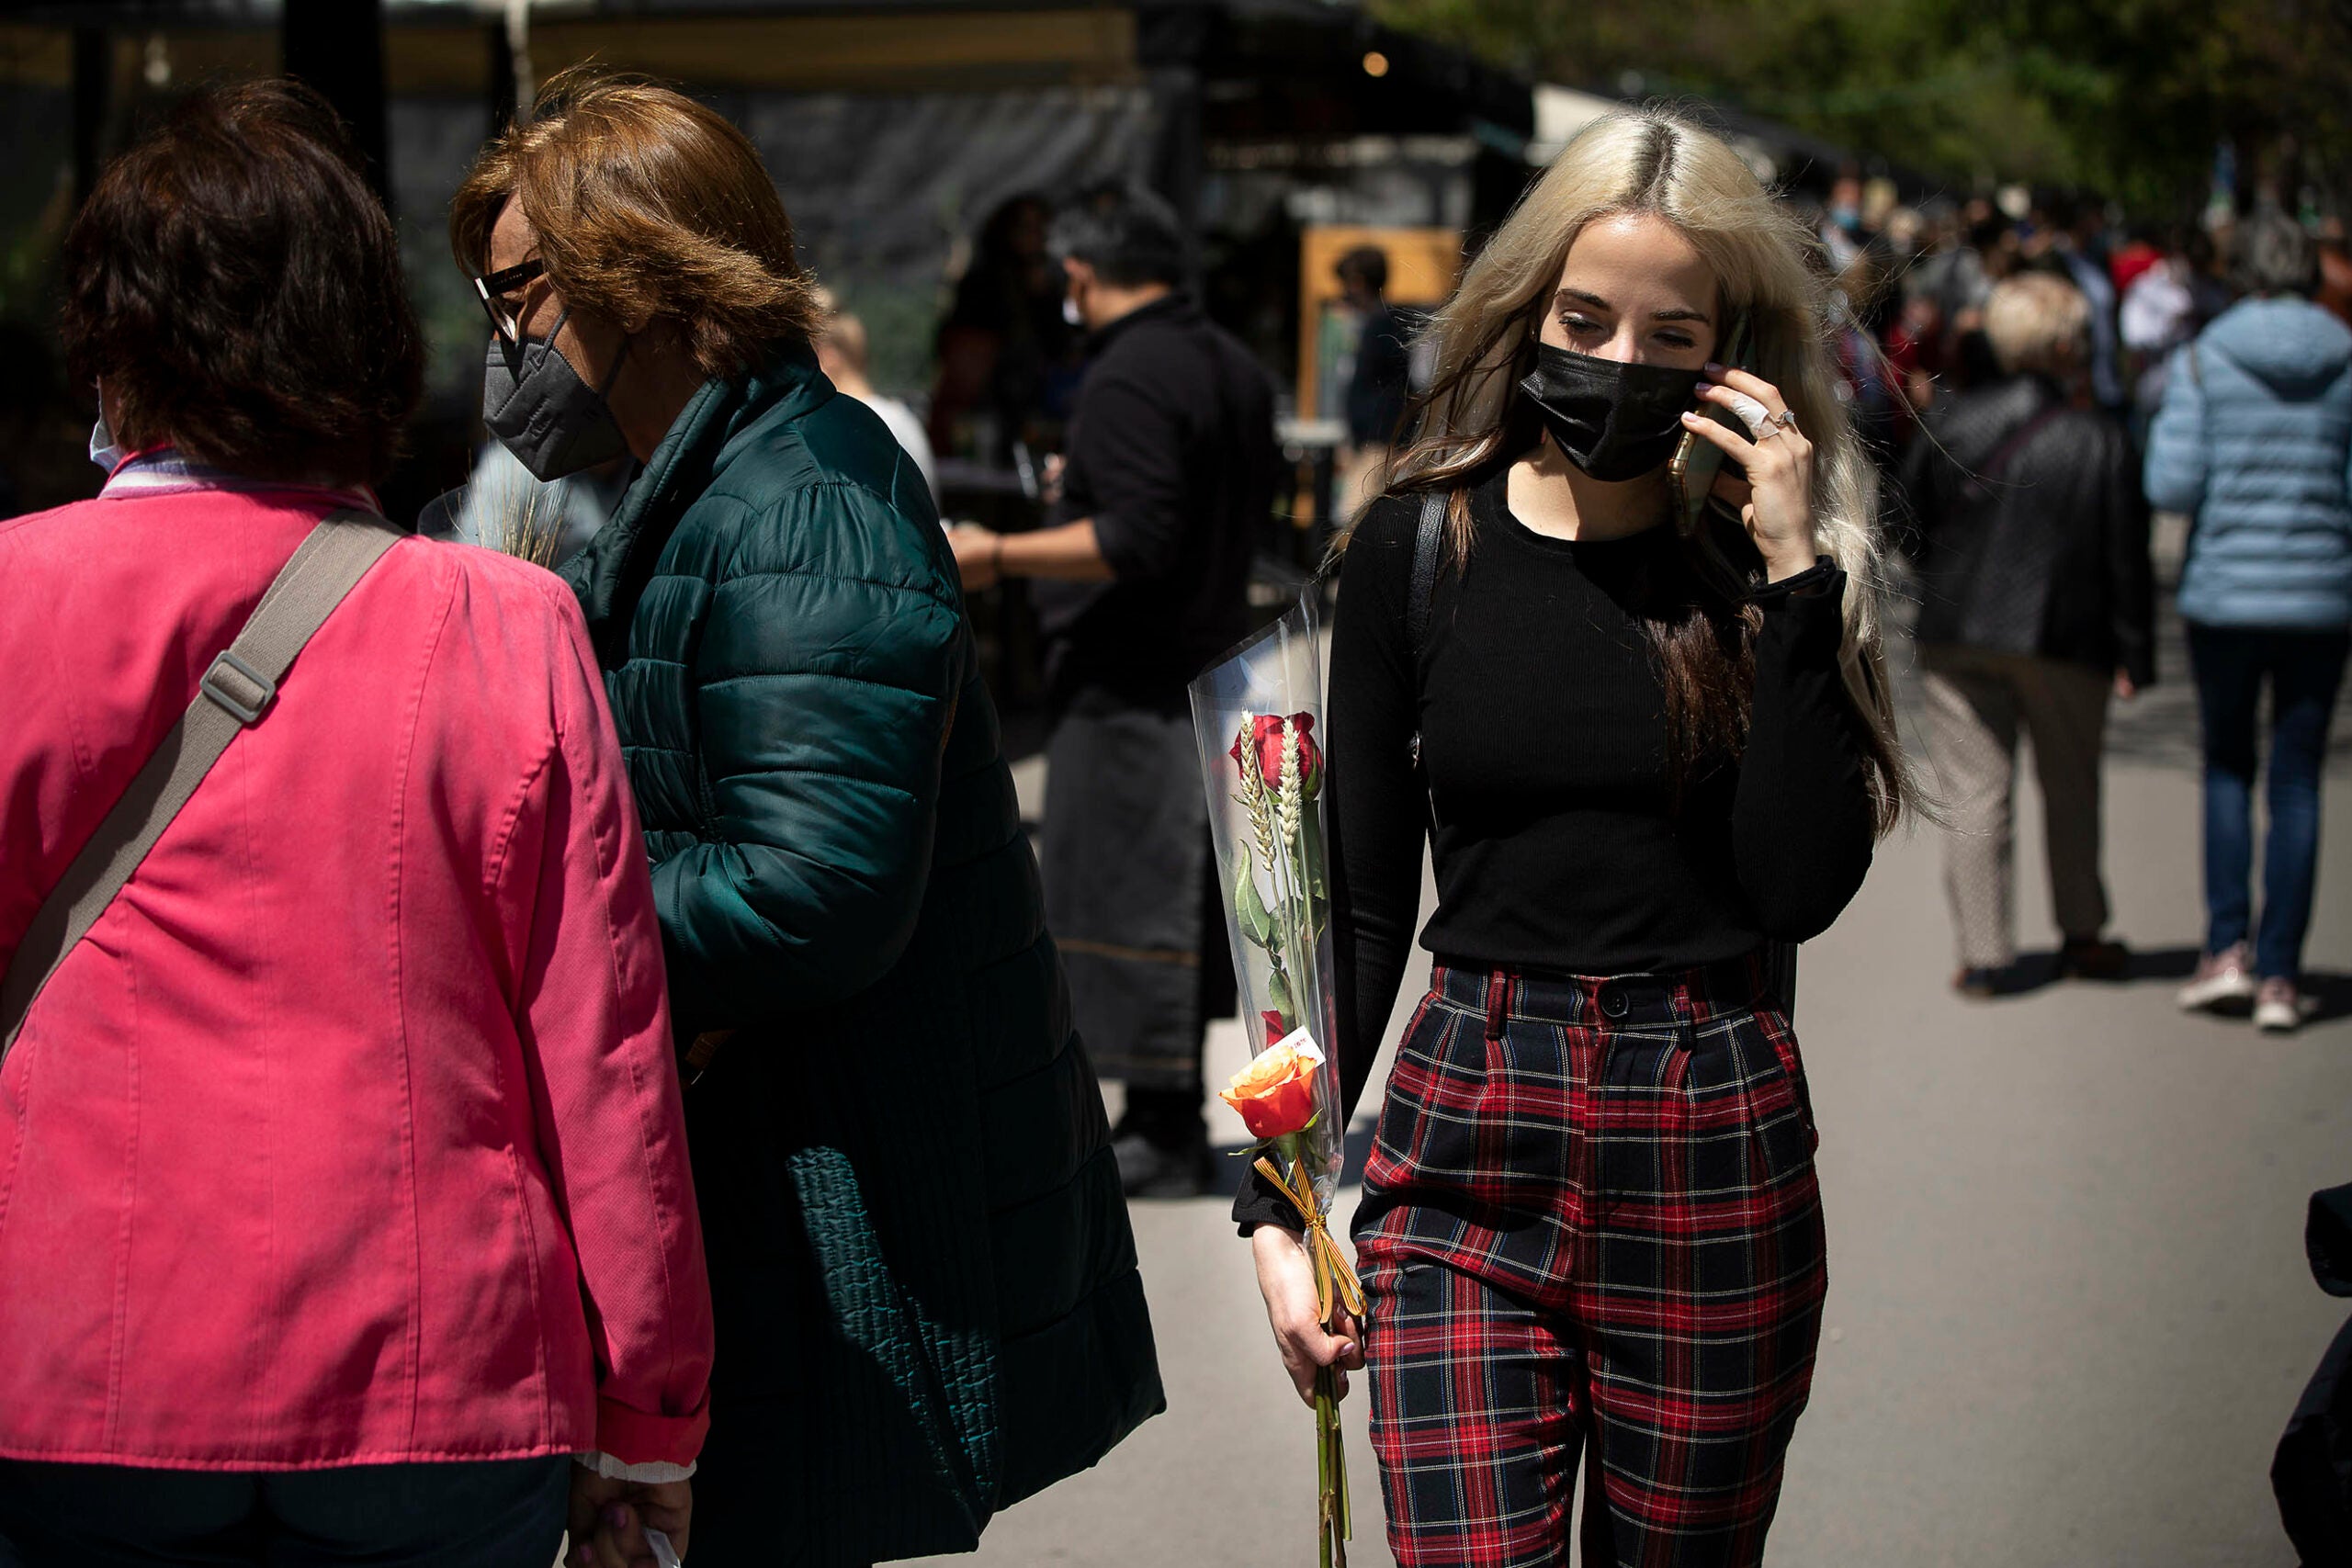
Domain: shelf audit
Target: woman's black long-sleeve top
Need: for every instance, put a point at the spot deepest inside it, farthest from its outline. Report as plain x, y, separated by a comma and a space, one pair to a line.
1559, 843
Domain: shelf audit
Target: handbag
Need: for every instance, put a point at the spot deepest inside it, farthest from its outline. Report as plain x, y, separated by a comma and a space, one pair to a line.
236, 692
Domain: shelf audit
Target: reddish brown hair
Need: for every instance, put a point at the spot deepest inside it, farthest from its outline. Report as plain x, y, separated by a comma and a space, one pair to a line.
649, 206
237, 286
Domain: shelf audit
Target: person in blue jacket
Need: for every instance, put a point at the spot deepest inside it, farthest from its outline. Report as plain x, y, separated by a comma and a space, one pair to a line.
2254, 440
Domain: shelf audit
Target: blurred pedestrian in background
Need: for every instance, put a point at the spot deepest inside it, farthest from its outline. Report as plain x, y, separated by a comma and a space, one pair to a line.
2254, 440
840, 354
343, 1166
1840, 227
2158, 313
1379, 380
2079, 245
2023, 513
1993, 248
926, 1293
2334, 290
1006, 349
1877, 396
1143, 580
1644, 752
2137, 254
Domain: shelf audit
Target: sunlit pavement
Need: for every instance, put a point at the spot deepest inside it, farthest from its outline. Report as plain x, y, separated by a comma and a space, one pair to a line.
2069, 1311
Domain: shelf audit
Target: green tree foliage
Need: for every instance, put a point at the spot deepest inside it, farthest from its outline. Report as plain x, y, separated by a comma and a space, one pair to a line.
2127, 95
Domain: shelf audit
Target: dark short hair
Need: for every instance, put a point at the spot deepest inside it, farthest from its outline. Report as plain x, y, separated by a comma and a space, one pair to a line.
2271, 254
237, 286
647, 207
1128, 236
1369, 263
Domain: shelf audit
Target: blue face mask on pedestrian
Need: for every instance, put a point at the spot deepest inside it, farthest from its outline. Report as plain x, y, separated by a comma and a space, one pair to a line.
105, 451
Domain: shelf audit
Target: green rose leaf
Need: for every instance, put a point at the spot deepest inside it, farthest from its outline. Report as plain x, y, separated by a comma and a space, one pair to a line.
1278, 996
1257, 923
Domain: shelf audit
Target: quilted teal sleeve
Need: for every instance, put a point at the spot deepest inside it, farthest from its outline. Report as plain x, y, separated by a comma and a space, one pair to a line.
822, 684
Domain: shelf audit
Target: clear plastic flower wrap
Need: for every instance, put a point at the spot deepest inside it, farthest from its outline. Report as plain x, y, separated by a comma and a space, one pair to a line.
1258, 717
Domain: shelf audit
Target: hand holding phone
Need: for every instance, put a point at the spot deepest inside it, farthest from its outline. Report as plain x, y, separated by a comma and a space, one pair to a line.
1696, 463
1776, 461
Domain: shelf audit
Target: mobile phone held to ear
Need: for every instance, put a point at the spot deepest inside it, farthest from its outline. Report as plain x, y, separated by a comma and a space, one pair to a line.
1696, 461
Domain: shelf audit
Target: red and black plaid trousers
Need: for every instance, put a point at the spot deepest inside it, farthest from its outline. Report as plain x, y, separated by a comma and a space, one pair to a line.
1590, 1217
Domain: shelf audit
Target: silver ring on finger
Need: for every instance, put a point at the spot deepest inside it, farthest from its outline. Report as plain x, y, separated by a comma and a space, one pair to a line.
1785, 419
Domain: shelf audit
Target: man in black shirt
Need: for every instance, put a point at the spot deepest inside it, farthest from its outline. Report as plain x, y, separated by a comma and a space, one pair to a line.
1143, 570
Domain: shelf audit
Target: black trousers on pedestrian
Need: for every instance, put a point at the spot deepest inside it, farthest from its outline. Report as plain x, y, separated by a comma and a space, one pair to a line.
483, 1514
1132, 894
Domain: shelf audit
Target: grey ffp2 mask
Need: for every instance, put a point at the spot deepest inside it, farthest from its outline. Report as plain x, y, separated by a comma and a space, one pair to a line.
539, 408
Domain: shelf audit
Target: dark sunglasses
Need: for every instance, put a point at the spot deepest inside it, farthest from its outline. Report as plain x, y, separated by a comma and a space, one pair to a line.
495, 288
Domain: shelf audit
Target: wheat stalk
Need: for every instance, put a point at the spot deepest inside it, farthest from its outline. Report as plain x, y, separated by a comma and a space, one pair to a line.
527, 521
1288, 800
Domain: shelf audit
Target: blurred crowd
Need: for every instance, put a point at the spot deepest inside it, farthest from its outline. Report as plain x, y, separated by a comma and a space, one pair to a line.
2034, 381
1918, 281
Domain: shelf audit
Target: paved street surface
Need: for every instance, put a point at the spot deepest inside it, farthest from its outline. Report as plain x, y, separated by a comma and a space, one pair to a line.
2069, 1309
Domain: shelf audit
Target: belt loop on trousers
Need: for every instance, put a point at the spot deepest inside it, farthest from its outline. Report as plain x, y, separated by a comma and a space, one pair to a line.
1498, 984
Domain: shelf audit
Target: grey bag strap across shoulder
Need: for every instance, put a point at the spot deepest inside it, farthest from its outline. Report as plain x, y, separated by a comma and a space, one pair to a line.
234, 694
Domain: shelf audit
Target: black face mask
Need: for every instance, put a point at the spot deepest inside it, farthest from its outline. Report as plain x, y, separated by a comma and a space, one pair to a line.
1614, 419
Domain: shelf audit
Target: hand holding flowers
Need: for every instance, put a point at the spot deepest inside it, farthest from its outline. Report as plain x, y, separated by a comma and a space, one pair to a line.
1275, 1096
1309, 1350
1264, 772
1320, 1340
1312, 1297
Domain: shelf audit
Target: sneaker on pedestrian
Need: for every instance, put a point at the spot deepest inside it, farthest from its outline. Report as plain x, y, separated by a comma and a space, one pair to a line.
1151, 1168
2278, 1006
2092, 958
1978, 984
2221, 979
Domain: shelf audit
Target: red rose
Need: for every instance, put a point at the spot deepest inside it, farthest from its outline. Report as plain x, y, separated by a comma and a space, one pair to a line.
1264, 739
1275, 1033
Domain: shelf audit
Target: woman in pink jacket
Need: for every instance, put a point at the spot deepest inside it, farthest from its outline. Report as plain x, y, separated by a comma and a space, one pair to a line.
344, 1210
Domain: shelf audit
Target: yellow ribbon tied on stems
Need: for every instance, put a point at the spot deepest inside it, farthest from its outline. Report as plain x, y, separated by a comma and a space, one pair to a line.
1333, 1274
1335, 1284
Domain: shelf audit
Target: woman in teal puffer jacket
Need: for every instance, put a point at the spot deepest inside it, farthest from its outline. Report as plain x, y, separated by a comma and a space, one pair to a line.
925, 1284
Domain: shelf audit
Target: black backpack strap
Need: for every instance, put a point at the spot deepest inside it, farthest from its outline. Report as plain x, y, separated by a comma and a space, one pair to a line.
1428, 545
1427, 542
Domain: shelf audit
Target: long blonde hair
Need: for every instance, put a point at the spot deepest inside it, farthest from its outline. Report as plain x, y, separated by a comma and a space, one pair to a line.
1765, 266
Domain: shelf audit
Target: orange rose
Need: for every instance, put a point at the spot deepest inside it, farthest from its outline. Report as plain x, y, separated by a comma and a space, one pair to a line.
1275, 1093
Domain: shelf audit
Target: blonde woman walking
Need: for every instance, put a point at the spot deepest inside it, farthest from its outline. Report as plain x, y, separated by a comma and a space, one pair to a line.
1591, 1224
